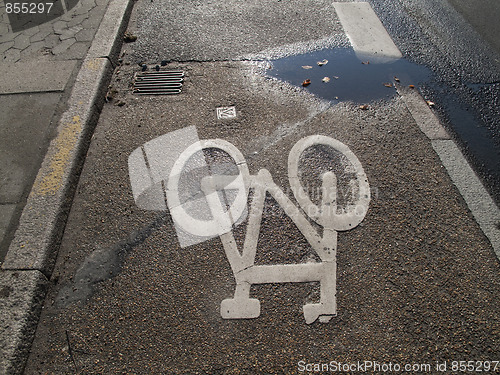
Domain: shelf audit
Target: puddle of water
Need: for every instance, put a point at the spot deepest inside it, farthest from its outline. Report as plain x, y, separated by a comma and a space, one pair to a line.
362, 83
357, 82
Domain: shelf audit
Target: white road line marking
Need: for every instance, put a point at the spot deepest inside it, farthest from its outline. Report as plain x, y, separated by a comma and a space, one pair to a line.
482, 206
423, 115
368, 36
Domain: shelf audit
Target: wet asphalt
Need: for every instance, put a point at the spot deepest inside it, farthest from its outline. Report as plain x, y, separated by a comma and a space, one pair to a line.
466, 66
464, 63
417, 281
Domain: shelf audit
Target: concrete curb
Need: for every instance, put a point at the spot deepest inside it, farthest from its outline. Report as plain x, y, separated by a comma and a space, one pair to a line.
33, 250
21, 299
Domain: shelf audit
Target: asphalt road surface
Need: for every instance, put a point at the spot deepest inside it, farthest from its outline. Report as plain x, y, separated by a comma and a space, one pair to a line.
454, 41
482, 16
457, 42
403, 276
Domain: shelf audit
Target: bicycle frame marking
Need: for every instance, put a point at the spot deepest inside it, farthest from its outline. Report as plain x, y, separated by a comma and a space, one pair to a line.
246, 273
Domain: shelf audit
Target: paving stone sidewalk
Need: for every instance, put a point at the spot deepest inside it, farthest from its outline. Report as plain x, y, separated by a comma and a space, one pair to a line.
39, 65
65, 38
50, 73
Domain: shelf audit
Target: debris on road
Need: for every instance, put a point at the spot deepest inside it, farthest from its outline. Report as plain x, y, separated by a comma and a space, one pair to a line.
326, 79
322, 62
306, 82
128, 37
110, 95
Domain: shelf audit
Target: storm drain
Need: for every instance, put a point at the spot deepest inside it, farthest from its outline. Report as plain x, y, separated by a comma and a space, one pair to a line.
167, 82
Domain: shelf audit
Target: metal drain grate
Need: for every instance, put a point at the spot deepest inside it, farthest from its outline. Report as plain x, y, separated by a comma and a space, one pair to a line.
167, 82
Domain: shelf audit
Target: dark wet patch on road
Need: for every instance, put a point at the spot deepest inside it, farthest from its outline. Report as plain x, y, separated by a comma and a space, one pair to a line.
347, 77
103, 264
476, 139
362, 81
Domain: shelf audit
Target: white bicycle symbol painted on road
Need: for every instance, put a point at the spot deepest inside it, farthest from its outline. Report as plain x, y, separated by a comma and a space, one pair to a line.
217, 200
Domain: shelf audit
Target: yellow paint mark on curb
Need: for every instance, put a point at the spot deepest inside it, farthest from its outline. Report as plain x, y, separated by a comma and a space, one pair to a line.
65, 142
93, 64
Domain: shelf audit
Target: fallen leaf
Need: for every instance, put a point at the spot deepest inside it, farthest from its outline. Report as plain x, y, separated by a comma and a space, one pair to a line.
307, 82
388, 84
111, 94
326, 79
323, 62
397, 79
128, 37
363, 107
430, 104
336, 77
411, 86
307, 67
365, 62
